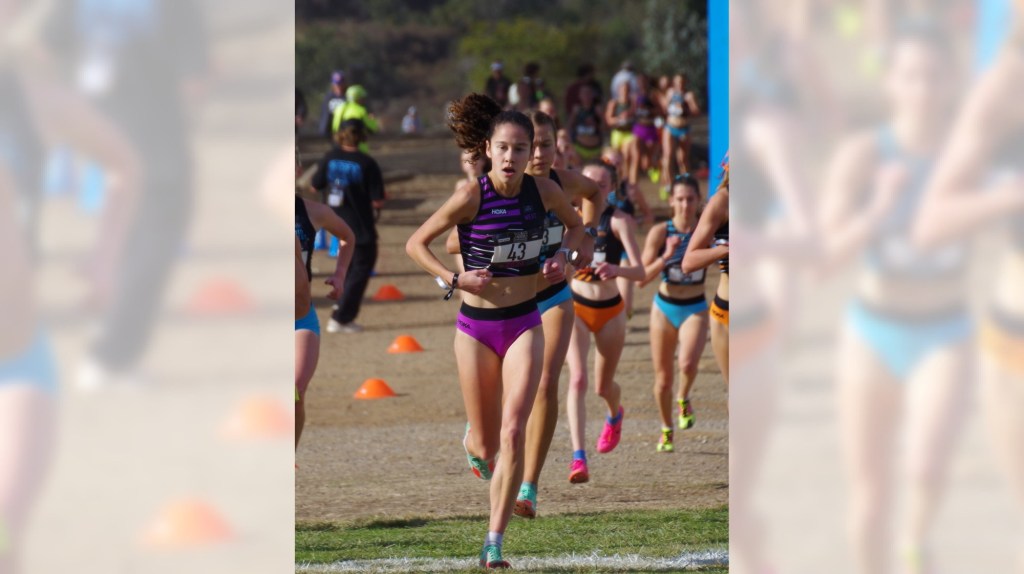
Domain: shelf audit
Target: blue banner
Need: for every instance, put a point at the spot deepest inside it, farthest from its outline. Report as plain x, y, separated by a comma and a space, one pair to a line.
718, 86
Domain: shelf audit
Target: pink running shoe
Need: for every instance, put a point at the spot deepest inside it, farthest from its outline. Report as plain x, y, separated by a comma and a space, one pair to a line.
610, 434
578, 473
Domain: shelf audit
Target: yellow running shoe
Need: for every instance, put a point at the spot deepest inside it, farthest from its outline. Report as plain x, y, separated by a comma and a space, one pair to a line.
686, 416
665, 444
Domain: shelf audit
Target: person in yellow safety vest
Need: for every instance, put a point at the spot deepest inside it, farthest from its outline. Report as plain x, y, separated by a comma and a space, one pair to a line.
353, 109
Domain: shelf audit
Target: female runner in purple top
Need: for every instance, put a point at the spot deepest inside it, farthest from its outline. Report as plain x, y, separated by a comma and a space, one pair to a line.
499, 341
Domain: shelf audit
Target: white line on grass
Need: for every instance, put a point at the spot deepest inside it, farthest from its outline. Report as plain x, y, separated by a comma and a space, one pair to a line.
616, 563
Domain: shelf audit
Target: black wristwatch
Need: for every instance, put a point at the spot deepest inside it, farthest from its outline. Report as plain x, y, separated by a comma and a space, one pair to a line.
591, 231
444, 285
454, 286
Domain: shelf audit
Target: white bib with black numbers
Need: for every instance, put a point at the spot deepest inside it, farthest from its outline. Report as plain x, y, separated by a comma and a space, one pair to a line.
553, 234
515, 246
676, 275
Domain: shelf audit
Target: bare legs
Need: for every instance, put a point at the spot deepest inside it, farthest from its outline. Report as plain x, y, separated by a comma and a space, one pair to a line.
609, 341
873, 406
27, 417
540, 429
690, 340
498, 396
307, 354
1002, 394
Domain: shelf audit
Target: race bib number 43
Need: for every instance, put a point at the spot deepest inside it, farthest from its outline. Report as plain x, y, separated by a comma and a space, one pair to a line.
515, 246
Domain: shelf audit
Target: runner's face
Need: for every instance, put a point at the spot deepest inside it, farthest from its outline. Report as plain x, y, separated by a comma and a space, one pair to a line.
601, 176
916, 79
586, 96
684, 201
543, 150
624, 92
509, 150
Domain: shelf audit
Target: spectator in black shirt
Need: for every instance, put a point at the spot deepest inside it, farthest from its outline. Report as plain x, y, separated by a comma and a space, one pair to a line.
119, 53
498, 85
351, 183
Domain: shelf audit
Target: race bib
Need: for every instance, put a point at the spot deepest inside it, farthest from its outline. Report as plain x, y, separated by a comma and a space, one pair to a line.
515, 246
899, 252
97, 72
676, 275
553, 234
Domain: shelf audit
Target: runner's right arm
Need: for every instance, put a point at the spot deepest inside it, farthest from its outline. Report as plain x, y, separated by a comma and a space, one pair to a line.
459, 208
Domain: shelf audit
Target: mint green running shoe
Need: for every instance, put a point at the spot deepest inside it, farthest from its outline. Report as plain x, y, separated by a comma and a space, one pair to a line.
526, 502
490, 558
480, 467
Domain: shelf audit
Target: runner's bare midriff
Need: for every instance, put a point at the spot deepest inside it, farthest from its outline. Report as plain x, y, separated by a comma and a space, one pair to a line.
504, 292
596, 290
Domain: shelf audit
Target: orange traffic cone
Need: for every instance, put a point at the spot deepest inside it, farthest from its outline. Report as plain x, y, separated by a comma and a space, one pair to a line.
259, 418
221, 296
187, 522
374, 389
388, 293
405, 344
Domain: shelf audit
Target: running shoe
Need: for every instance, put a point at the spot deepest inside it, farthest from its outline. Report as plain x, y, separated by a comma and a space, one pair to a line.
610, 434
352, 328
665, 444
481, 468
578, 473
526, 502
490, 558
686, 417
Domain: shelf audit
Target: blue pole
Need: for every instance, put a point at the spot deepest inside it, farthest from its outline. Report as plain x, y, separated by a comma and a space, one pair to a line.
993, 25
718, 86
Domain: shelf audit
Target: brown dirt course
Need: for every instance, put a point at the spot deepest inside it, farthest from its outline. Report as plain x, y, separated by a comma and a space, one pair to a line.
403, 457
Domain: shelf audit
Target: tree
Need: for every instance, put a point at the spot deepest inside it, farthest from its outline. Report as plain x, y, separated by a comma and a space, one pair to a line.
675, 38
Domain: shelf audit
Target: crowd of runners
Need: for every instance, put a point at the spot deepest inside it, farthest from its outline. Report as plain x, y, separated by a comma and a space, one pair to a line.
545, 240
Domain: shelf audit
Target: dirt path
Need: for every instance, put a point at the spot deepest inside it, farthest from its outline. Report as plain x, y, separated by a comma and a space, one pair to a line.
403, 456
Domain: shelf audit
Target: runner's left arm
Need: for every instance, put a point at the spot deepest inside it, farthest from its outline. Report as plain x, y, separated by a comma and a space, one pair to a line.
585, 189
324, 217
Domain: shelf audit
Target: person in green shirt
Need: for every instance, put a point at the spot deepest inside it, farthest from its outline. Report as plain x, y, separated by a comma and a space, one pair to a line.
354, 109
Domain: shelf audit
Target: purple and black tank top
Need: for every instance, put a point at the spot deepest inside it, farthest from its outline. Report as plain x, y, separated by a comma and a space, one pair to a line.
506, 236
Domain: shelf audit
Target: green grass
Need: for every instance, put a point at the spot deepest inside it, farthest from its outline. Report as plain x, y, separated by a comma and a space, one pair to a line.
661, 533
